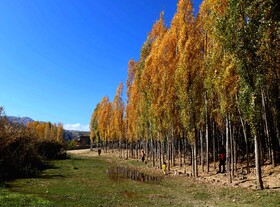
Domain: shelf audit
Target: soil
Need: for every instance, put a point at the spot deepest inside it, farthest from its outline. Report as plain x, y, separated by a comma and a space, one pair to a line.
270, 175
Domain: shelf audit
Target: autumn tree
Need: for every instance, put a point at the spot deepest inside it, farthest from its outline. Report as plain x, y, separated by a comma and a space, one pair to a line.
59, 136
104, 120
215, 72
93, 126
118, 116
186, 75
246, 30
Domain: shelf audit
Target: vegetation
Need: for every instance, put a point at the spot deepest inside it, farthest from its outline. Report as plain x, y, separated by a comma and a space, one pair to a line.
46, 130
206, 81
22, 153
84, 182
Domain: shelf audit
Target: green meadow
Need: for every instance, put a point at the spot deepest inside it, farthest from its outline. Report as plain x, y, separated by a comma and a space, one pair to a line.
94, 181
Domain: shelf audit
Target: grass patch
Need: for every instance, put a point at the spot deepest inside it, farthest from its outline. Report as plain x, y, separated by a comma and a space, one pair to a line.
202, 196
84, 182
8, 199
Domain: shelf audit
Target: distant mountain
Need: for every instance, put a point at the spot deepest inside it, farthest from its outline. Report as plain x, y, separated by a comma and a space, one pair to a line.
67, 135
20, 120
72, 134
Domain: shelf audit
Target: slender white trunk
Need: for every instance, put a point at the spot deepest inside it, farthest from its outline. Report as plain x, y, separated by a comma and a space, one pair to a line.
207, 135
214, 146
201, 150
180, 152
231, 149
228, 151
245, 137
195, 160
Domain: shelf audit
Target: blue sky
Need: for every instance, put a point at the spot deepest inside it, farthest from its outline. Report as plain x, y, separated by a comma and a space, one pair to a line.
58, 58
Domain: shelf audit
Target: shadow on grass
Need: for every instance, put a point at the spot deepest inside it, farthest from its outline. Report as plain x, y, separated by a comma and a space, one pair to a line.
73, 157
38, 173
43, 176
273, 188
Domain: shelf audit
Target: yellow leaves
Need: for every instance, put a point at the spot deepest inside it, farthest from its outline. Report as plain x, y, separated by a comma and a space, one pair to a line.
117, 114
101, 118
158, 28
46, 130
132, 68
166, 88
209, 13
59, 132
228, 84
191, 136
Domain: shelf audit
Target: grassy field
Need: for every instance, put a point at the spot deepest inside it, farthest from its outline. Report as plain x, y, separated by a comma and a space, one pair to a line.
81, 181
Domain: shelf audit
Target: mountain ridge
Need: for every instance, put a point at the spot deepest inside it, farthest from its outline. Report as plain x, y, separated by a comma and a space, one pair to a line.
67, 135
20, 120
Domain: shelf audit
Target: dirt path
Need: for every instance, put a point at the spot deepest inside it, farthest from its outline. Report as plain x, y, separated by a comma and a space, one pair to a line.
86, 152
271, 176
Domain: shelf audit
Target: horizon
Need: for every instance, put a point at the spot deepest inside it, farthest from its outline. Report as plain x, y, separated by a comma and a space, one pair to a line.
60, 57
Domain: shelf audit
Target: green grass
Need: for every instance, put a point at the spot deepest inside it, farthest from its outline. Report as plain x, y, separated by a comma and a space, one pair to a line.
84, 182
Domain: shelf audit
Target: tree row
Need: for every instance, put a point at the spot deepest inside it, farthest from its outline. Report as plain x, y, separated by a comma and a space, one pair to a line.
206, 81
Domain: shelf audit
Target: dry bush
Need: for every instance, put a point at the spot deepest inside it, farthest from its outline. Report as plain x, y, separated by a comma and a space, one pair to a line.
19, 158
50, 150
21, 154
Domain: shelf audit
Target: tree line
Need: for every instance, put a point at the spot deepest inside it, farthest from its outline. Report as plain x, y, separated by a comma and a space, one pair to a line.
206, 81
46, 130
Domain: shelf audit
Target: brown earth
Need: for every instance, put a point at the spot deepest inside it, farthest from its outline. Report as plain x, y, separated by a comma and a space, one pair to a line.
270, 175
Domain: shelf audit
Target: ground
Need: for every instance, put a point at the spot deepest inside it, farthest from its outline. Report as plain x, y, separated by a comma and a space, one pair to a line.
86, 179
270, 175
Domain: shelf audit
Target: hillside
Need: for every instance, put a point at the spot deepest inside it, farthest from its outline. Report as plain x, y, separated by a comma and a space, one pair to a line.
67, 135
20, 120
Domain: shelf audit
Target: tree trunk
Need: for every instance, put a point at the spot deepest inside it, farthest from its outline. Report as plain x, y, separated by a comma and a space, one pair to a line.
185, 152
132, 150
235, 148
207, 147
160, 154
207, 134
228, 151
168, 154
195, 160
91, 143
120, 148
185, 149
180, 152
126, 146
136, 149
156, 150
257, 163
214, 146
246, 139
192, 159
163, 150
147, 149
231, 149
153, 152
173, 152
201, 150
266, 128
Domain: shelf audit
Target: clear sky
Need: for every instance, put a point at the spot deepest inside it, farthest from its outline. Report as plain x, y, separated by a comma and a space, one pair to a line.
58, 58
